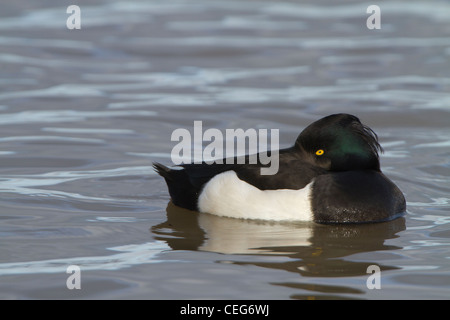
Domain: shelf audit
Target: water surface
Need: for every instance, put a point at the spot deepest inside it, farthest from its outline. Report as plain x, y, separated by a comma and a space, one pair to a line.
83, 113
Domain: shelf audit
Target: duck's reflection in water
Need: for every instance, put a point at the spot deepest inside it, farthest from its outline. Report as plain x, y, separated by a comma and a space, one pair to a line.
313, 250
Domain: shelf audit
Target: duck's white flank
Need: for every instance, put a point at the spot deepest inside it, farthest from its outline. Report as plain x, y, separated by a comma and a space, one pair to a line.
228, 196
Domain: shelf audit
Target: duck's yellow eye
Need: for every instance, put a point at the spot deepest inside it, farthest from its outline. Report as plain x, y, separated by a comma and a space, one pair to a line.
319, 152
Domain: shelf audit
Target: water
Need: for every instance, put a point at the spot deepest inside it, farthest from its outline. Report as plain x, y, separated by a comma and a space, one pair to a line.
83, 113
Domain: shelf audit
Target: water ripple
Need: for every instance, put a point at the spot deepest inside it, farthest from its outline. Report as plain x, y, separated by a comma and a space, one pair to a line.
27, 184
65, 115
112, 93
52, 138
193, 77
305, 43
127, 256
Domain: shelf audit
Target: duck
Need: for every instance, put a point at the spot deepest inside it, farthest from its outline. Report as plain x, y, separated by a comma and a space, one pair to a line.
330, 175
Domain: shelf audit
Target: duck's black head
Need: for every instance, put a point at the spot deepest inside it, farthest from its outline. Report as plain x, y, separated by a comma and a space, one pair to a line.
340, 142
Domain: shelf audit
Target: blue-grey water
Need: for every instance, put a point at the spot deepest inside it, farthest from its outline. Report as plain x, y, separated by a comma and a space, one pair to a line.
83, 113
